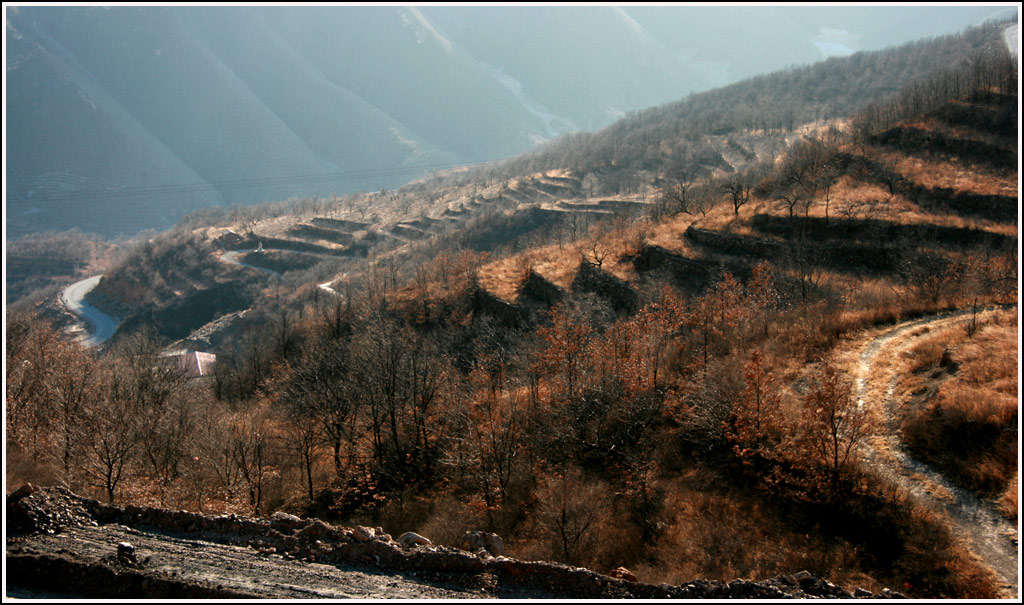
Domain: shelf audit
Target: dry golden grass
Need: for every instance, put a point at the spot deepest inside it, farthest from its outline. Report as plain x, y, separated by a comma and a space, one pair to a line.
620, 246
989, 359
952, 174
557, 264
668, 234
852, 198
849, 198
961, 422
871, 302
915, 216
502, 277
721, 535
928, 352
856, 199
722, 217
1009, 501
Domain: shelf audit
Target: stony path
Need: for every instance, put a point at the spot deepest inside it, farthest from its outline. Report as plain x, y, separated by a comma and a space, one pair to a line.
989, 535
202, 563
59, 545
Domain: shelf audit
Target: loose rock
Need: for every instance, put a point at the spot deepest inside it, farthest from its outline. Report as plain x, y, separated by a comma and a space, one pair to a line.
492, 543
22, 491
363, 534
126, 553
410, 539
804, 577
283, 516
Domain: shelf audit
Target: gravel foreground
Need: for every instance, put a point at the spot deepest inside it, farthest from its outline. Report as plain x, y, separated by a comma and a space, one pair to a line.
63, 545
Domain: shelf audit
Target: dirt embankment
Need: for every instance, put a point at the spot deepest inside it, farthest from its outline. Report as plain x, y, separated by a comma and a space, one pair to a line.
59, 543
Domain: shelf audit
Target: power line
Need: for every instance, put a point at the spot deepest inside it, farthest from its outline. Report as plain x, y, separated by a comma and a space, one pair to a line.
278, 180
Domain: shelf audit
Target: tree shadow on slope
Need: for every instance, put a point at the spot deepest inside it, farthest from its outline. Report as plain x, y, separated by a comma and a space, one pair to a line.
916, 141
873, 231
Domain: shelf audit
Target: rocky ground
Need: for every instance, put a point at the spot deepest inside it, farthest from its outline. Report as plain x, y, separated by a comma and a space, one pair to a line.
59, 544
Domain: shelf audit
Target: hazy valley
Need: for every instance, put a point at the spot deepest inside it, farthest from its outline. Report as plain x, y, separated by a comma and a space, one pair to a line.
128, 119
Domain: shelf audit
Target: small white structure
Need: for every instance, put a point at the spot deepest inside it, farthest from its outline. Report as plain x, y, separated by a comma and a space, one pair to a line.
194, 363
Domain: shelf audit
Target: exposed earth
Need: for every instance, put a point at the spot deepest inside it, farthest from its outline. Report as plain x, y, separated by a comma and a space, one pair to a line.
59, 544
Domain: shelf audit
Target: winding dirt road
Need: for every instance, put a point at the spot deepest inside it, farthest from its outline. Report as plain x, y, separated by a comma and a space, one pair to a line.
987, 533
232, 257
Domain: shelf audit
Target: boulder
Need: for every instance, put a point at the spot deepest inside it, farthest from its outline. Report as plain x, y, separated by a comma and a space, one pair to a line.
473, 541
947, 360
126, 553
622, 574
283, 516
22, 491
410, 539
494, 544
363, 534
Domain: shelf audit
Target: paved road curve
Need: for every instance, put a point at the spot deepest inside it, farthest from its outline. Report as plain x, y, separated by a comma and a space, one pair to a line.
101, 325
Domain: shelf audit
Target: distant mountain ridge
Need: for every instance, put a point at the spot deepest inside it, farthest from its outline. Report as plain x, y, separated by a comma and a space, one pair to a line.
123, 119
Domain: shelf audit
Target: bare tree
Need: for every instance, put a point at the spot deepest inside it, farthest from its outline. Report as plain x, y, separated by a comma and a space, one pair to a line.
834, 427
152, 389
29, 344
596, 253
401, 379
321, 392
250, 452
738, 190
678, 196
70, 388
570, 511
113, 438
590, 184
496, 419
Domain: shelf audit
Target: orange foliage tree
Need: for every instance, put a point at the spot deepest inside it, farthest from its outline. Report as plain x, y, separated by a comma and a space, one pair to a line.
752, 427
564, 356
497, 419
833, 427
730, 313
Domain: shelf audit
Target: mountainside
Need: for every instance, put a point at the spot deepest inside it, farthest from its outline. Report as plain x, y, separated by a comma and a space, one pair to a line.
771, 326
129, 118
